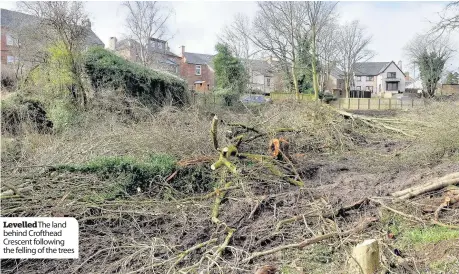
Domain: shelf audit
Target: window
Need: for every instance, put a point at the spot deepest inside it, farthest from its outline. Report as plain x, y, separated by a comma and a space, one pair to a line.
369, 88
392, 86
369, 78
198, 70
268, 82
358, 88
160, 45
10, 59
359, 78
391, 75
9, 40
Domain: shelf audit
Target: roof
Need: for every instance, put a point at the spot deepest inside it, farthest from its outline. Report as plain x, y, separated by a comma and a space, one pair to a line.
336, 72
370, 68
198, 58
261, 66
12, 19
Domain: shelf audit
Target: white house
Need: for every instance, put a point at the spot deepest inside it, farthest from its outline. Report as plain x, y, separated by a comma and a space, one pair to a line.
264, 76
379, 77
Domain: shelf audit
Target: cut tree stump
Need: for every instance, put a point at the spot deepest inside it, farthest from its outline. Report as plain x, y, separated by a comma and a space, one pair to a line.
365, 258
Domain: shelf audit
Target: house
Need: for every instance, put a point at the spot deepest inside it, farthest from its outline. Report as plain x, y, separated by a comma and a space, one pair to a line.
196, 69
379, 78
335, 83
264, 75
159, 55
13, 22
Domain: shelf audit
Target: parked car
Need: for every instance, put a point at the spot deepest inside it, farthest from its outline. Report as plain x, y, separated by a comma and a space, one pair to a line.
255, 99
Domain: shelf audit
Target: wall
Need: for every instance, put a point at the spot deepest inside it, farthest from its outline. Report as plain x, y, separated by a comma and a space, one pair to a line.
258, 81
363, 83
449, 89
187, 72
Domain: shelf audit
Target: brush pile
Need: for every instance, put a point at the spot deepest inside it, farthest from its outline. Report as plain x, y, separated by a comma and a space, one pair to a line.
290, 190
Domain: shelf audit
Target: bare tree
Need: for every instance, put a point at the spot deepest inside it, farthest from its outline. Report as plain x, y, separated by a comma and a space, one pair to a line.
237, 36
430, 55
64, 22
280, 28
352, 45
449, 19
319, 14
146, 20
327, 52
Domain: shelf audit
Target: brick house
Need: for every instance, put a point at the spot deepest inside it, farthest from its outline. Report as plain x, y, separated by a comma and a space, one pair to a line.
196, 69
20, 40
161, 58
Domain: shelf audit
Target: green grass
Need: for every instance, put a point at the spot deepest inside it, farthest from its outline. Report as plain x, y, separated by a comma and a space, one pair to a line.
433, 234
134, 173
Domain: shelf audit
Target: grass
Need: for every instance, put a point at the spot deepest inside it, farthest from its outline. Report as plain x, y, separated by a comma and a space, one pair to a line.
428, 235
135, 174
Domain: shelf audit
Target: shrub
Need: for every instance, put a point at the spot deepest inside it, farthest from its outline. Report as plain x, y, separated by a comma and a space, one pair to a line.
140, 172
18, 112
153, 88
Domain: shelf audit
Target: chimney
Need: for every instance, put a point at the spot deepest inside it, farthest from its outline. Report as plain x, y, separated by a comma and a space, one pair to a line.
183, 51
400, 65
112, 43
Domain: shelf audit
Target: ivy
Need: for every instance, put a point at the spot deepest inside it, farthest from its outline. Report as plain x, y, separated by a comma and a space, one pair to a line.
154, 88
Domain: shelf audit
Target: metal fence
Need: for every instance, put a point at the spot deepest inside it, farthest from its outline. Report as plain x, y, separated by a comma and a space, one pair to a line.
377, 103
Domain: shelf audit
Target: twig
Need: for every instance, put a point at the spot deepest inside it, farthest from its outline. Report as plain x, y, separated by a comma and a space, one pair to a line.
396, 211
312, 240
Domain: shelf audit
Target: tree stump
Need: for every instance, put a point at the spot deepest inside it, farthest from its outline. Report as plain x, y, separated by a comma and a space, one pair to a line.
365, 257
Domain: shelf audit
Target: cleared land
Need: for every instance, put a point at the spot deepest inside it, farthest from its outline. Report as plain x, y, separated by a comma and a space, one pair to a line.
147, 201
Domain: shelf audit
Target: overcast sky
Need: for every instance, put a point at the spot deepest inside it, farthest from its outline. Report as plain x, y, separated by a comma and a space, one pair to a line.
196, 24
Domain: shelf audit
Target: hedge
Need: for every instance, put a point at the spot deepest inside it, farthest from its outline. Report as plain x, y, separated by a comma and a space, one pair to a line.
109, 71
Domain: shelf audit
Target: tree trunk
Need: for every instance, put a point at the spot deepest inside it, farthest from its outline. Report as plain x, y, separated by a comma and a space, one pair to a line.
295, 82
315, 81
365, 258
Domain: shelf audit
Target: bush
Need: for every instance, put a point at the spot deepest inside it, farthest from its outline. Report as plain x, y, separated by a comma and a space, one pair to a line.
230, 97
18, 112
153, 88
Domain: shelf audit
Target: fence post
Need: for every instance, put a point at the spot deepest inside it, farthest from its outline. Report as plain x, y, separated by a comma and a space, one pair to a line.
358, 103
379, 103
339, 103
412, 102
401, 103
369, 100
349, 103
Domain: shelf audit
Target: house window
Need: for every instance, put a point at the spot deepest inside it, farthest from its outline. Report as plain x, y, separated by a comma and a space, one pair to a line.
268, 82
369, 88
10, 59
359, 78
358, 88
391, 75
198, 70
369, 78
9, 40
160, 45
392, 86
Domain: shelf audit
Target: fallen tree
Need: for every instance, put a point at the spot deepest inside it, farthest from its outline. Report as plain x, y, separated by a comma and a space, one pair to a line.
435, 184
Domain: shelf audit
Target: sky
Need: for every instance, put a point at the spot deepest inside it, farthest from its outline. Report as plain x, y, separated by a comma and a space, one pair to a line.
196, 24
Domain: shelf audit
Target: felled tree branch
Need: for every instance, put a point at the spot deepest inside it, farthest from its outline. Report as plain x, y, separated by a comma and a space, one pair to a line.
312, 240
442, 182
